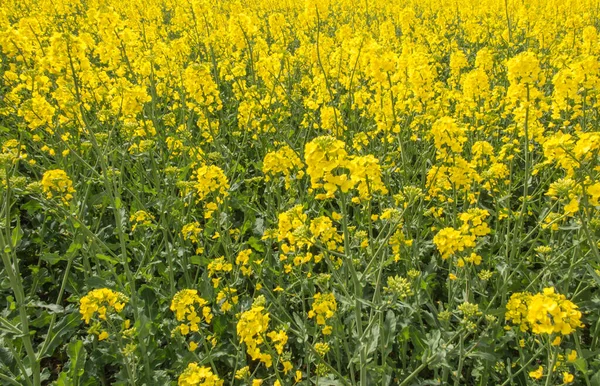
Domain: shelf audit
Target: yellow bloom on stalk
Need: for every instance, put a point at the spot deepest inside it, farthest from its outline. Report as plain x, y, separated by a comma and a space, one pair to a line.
324, 156
57, 183
191, 310
101, 301
473, 222
251, 329
323, 308
449, 241
283, 161
448, 137
365, 173
219, 265
537, 374
195, 375
192, 231
524, 68
227, 297
543, 313
323, 230
211, 179
243, 261
141, 218
567, 377
242, 373
13, 150
287, 367
331, 168
549, 312
278, 340
292, 230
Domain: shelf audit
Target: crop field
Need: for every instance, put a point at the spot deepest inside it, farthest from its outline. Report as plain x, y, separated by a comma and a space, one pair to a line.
299, 192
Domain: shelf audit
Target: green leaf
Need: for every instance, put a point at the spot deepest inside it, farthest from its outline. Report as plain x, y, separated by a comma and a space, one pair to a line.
580, 364
17, 234
78, 355
52, 308
389, 330
106, 258
256, 244
595, 381
74, 247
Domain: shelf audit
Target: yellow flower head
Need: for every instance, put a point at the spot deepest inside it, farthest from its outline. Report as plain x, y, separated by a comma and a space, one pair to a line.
103, 302
57, 183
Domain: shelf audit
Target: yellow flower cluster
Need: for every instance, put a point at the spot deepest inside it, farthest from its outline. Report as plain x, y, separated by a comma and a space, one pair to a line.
211, 179
543, 313
283, 161
448, 137
331, 168
227, 298
56, 182
218, 266
323, 308
297, 235
292, 229
13, 151
192, 232
449, 241
191, 310
251, 329
195, 375
141, 218
243, 261
102, 301
323, 230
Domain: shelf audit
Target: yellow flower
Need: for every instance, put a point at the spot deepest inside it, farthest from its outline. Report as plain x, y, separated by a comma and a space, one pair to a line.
103, 302
567, 377
57, 183
449, 241
287, 367
556, 341
242, 373
543, 313
323, 308
251, 329
195, 375
448, 137
211, 179
190, 309
140, 218
537, 374
283, 161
